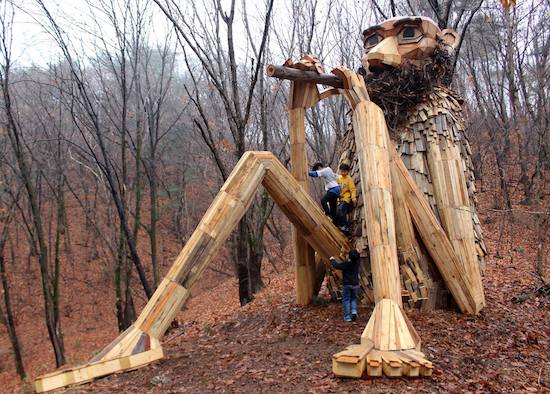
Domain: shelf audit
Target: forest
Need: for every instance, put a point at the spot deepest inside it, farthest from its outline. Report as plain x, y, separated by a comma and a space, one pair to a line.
121, 120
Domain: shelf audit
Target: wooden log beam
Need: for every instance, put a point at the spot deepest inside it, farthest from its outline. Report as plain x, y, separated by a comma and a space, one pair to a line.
293, 74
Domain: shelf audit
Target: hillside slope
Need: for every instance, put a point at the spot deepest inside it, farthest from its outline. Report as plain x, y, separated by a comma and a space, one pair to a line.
271, 345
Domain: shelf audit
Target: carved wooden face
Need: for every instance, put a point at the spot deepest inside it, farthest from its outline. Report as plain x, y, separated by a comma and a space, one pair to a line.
403, 41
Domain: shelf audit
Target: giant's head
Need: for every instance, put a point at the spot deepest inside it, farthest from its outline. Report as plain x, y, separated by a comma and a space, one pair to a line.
404, 42
404, 59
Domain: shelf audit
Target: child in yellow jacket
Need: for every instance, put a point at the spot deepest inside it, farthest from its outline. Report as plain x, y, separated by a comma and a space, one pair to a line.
348, 197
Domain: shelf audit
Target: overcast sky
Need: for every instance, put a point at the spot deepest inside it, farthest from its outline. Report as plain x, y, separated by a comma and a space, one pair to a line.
32, 45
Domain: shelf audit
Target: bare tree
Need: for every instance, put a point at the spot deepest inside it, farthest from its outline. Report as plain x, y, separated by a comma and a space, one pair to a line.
201, 34
50, 280
86, 116
506, 62
6, 309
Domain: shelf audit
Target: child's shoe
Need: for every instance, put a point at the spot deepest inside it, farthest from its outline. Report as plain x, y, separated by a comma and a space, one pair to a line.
345, 230
354, 316
347, 318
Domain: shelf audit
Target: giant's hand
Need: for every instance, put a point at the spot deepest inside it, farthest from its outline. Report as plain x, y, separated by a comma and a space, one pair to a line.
355, 89
306, 63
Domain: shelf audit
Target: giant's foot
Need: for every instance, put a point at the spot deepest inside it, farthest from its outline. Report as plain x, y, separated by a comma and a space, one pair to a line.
389, 346
130, 350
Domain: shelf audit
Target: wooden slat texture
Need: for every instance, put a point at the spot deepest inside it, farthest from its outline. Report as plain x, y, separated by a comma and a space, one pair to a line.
162, 308
451, 196
389, 328
374, 363
352, 361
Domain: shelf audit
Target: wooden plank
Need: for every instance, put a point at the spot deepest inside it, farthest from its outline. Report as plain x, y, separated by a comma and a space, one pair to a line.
352, 361
451, 194
391, 365
389, 328
426, 367
411, 367
166, 306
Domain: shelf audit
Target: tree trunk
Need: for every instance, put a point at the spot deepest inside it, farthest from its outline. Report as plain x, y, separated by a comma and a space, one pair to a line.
50, 300
245, 294
154, 221
503, 180
124, 303
255, 255
7, 316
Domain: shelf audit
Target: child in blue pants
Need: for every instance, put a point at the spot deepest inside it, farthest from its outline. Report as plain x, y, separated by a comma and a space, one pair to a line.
329, 202
350, 270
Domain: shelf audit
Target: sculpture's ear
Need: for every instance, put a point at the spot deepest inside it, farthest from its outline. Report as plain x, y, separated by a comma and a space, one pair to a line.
450, 38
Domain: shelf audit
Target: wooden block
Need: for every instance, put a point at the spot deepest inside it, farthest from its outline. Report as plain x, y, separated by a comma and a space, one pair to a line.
374, 363
352, 361
391, 365
411, 367
426, 367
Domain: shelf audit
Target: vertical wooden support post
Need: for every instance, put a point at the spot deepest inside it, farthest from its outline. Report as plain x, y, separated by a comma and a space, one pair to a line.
304, 255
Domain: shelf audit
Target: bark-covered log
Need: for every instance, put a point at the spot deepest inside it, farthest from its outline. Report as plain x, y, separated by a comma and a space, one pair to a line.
292, 74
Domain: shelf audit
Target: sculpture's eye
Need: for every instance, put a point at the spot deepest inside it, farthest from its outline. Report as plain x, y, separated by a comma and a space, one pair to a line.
372, 40
410, 33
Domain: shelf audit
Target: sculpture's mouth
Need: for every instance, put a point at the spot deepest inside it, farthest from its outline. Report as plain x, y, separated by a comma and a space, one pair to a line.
375, 66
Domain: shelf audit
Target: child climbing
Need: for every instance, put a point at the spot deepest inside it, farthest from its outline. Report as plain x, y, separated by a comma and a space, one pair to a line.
350, 269
348, 198
329, 201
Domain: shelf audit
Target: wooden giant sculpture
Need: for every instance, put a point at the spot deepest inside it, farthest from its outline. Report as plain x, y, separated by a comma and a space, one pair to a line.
389, 343
407, 64
409, 50
393, 208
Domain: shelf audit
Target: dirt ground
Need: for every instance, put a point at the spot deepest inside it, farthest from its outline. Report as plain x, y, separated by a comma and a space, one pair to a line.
272, 345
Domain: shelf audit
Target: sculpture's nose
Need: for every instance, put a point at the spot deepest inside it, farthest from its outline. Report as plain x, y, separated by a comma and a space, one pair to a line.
384, 53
